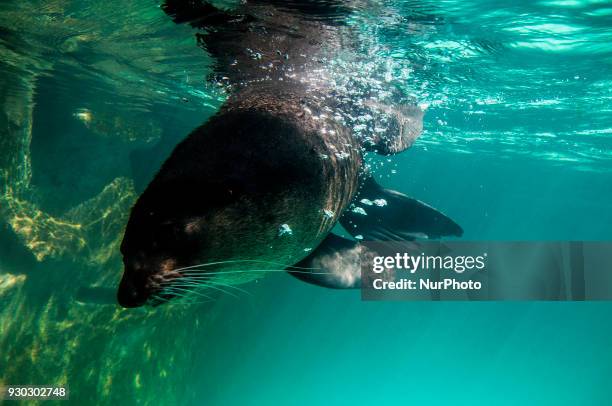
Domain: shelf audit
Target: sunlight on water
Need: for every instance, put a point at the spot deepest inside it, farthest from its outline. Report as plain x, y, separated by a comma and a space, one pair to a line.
515, 67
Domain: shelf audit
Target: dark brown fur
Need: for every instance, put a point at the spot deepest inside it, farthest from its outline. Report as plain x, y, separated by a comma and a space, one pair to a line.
263, 161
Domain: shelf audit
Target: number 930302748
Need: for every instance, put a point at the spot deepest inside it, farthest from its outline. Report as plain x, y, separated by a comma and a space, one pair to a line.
33, 392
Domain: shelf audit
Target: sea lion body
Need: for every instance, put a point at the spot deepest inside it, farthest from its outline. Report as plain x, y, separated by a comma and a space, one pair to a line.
264, 180
261, 184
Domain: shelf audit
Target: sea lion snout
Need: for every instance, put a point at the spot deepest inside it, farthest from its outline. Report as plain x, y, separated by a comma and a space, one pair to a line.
131, 293
143, 281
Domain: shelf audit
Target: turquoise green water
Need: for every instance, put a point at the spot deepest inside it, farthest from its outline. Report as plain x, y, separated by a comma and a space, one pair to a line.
516, 145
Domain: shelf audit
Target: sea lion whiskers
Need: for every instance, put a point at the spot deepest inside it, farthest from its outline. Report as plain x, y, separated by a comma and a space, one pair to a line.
175, 292
202, 284
190, 286
200, 281
195, 281
184, 301
183, 291
236, 261
203, 272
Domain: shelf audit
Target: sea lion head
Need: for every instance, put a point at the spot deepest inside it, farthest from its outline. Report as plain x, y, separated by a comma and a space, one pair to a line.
245, 187
160, 238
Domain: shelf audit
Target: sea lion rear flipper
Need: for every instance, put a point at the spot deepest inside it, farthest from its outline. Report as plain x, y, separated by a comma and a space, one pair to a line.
335, 263
402, 125
386, 215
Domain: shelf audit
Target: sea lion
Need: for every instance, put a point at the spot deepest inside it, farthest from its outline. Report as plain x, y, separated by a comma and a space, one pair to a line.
260, 185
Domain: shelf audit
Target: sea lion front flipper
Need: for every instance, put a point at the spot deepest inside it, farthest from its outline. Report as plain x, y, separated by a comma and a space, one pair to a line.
386, 215
335, 263
401, 126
